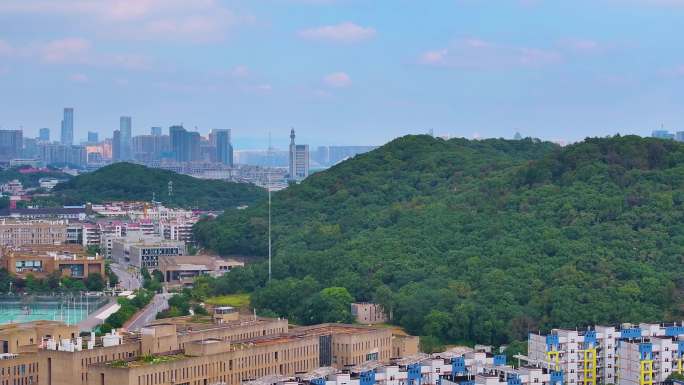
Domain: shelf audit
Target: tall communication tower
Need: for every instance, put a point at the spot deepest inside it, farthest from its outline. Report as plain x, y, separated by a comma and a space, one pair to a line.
170, 188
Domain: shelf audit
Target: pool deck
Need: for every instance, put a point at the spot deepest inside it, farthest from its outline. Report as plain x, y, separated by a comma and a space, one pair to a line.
97, 317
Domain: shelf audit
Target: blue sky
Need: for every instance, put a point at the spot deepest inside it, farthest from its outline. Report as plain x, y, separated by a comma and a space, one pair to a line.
345, 71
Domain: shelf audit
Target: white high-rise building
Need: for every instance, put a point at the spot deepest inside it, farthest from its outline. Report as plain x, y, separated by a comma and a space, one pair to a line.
299, 159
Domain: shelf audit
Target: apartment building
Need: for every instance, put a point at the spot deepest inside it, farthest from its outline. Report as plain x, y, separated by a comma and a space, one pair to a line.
644, 354
41, 232
42, 260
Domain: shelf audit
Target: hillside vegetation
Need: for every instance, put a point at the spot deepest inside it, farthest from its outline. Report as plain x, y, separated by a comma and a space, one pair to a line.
127, 181
473, 240
30, 179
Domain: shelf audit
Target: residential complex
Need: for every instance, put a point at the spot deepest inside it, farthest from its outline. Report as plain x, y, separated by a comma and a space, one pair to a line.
644, 354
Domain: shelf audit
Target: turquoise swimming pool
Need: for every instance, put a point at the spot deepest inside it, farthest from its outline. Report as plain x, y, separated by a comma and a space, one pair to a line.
70, 310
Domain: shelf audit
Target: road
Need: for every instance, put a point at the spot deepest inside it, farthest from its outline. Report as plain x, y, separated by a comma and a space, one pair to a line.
158, 303
127, 280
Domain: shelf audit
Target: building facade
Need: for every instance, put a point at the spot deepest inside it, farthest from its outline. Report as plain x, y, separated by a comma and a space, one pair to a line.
298, 159
224, 148
11, 144
644, 354
67, 131
125, 135
19, 233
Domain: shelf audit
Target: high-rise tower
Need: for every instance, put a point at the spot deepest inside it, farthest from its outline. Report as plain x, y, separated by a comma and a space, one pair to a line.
125, 128
67, 132
299, 159
224, 147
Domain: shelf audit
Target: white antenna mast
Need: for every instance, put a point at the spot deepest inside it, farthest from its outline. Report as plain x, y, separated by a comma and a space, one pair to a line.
268, 171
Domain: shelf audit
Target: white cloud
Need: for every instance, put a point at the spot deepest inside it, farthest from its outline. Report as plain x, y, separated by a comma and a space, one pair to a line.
73, 51
240, 71
582, 45
346, 32
471, 53
337, 80
64, 50
196, 20
79, 78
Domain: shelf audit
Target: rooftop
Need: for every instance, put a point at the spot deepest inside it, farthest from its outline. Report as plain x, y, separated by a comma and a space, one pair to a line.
145, 360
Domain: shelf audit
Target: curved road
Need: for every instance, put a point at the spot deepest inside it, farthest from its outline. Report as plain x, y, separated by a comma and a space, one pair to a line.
158, 303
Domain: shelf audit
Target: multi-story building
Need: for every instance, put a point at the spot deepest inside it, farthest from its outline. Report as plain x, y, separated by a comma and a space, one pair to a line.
224, 148
198, 351
11, 144
67, 131
368, 313
148, 148
298, 159
93, 137
185, 145
181, 270
644, 354
177, 229
125, 130
116, 146
44, 134
141, 251
42, 260
18, 233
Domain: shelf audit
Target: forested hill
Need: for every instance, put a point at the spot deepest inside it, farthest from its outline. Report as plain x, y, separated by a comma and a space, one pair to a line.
127, 181
475, 240
30, 178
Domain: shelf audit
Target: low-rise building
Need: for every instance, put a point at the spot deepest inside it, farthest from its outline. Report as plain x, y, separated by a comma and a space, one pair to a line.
182, 269
368, 313
42, 260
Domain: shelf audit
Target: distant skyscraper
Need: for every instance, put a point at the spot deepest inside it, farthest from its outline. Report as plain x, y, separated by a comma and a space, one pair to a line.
156, 131
67, 133
116, 146
125, 128
11, 144
92, 137
30, 148
299, 159
185, 145
662, 134
679, 136
44, 135
224, 148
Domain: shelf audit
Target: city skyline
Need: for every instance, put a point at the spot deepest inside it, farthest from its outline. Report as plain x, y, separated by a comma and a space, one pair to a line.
342, 71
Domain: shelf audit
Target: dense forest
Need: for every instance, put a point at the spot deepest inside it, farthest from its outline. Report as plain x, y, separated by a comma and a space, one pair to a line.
468, 241
127, 181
